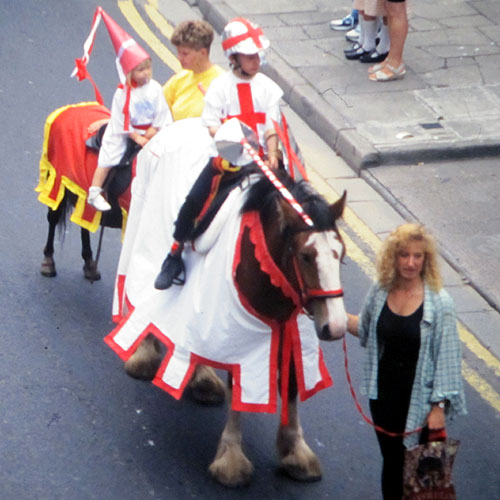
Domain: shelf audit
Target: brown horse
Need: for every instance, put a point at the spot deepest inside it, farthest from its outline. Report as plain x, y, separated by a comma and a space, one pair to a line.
66, 169
282, 267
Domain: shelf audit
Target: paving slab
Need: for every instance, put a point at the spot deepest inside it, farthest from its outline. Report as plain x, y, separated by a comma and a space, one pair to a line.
400, 137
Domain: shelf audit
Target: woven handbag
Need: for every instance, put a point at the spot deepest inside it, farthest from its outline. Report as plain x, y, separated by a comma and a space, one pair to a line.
427, 471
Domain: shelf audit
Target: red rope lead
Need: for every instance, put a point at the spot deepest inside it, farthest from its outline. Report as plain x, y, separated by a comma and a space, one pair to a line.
277, 183
367, 419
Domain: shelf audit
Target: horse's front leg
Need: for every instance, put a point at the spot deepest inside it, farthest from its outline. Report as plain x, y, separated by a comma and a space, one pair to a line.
295, 456
231, 467
90, 271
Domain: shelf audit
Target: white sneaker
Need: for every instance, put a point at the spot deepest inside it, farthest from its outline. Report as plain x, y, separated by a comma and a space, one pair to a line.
353, 35
96, 199
347, 23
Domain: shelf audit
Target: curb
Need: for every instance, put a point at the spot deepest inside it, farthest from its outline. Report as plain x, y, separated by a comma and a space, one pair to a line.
330, 125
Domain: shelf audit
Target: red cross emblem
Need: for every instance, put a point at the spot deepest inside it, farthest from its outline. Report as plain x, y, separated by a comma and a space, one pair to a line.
248, 115
253, 33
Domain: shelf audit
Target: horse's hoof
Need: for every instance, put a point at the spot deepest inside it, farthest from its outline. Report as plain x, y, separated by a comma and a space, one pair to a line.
142, 370
90, 271
146, 360
305, 468
232, 468
48, 268
299, 474
206, 387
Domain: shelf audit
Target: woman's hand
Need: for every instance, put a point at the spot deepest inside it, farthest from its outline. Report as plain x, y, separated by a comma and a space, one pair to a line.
436, 418
352, 324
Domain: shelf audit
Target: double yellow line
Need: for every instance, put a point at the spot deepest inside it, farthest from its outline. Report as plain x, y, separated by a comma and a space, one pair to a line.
485, 390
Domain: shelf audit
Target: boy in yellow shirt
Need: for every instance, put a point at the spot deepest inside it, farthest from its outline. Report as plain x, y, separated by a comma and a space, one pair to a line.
185, 90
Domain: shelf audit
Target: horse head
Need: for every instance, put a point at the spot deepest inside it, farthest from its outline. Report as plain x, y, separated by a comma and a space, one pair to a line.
309, 257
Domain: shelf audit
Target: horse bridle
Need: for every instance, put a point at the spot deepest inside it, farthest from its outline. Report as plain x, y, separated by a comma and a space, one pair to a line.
307, 294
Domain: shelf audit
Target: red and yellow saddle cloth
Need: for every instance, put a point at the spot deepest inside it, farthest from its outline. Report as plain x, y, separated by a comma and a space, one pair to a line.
67, 163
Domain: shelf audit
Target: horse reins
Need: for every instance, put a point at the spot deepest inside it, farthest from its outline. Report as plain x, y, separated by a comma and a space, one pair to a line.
367, 419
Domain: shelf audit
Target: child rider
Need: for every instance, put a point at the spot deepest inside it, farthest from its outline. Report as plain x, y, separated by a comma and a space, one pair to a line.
246, 94
138, 109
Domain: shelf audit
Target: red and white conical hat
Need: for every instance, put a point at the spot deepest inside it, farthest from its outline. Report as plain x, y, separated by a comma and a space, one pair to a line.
128, 52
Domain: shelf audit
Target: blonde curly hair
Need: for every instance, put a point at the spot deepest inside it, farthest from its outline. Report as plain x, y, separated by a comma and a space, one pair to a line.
397, 241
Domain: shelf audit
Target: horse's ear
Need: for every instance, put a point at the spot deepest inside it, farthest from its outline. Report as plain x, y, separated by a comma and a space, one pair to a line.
337, 208
288, 215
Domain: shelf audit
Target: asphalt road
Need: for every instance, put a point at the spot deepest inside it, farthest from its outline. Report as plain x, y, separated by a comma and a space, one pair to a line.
72, 424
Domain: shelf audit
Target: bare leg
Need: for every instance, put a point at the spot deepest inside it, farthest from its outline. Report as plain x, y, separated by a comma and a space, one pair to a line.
231, 467
398, 29
99, 177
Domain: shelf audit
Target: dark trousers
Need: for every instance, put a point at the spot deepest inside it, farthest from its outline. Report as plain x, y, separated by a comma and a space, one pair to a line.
195, 201
391, 415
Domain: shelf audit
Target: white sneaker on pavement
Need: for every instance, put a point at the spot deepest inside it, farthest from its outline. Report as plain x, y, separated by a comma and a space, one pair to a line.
353, 35
343, 24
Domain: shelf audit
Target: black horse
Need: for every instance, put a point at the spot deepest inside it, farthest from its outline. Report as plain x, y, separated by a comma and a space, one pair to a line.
66, 168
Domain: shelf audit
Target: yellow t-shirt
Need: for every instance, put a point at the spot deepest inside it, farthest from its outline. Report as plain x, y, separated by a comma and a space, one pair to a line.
182, 92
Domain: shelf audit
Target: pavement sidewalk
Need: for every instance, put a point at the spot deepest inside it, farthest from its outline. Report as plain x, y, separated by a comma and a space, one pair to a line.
393, 135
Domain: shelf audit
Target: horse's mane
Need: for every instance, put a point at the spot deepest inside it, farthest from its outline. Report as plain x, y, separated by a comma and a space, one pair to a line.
263, 195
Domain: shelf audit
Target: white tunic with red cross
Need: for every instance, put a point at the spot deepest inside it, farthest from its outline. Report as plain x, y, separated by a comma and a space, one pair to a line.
255, 102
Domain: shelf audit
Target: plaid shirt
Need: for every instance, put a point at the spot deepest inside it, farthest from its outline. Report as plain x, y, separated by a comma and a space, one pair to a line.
438, 372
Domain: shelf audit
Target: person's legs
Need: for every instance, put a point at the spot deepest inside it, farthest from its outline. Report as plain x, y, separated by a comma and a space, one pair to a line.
393, 67
367, 38
370, 32
398, 30
391, 417
384, 43
191, 208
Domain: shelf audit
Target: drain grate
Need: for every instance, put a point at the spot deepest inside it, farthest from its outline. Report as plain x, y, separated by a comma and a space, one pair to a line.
429, 126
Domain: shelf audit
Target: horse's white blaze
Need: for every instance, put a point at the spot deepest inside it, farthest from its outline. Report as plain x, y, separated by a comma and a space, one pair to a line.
329, 250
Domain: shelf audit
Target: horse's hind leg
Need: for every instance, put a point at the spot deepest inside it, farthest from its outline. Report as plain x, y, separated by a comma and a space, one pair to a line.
145, 361
295, 456
231, 467
48, 268
90, 271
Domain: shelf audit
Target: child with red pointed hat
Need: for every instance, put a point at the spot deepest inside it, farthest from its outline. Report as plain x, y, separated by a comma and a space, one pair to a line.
138, 110
244, 93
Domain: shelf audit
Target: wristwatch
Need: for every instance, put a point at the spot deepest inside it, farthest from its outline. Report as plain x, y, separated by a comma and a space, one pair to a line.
441, 405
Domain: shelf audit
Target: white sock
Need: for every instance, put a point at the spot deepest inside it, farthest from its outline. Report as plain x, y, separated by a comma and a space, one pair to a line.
385, 43
370, 30
94, 192
361, 37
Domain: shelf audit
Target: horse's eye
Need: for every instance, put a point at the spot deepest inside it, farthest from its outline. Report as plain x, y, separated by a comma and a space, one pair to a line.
307, 258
